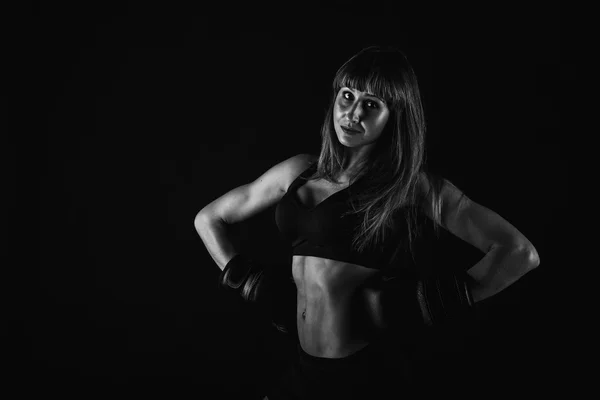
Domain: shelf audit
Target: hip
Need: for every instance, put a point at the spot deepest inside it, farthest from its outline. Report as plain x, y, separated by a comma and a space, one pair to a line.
357, 376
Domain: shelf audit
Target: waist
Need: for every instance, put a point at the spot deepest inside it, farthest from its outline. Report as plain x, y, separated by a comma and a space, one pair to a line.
327, 325
356, 356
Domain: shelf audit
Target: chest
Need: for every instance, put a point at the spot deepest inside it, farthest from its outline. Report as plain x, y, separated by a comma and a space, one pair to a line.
314, 192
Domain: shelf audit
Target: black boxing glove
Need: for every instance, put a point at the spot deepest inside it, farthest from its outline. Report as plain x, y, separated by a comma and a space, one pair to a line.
246, 277
408, 303
444, 298
268, 288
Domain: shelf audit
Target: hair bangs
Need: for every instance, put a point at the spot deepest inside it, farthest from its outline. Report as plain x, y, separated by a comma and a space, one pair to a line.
373, 76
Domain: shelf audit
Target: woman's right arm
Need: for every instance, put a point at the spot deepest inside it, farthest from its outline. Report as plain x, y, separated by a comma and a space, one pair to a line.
242, 203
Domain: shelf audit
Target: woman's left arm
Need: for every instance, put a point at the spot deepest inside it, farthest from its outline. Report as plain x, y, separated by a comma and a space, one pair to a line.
508, 253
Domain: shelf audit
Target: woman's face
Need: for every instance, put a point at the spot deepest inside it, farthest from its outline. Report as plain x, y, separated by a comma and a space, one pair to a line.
358, 117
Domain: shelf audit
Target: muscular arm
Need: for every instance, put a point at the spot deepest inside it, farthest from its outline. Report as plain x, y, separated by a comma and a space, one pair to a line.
213, 233
508, 253
499, 268
243, 202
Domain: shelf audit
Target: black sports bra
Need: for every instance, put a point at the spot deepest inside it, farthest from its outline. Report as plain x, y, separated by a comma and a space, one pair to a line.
322, 231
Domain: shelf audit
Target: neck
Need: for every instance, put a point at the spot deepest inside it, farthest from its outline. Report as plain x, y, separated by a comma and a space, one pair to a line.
351, 170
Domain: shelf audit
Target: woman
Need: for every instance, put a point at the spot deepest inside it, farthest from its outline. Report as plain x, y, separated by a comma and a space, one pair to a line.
353, 214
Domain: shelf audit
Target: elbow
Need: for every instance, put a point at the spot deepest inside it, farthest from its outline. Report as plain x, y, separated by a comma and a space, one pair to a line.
203, 218
526, 259
528, 254
532, 258
199, 219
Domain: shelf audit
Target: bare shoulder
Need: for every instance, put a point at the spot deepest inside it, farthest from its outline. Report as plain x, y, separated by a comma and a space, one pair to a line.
281, 175
450, 196
285, 170
294, 166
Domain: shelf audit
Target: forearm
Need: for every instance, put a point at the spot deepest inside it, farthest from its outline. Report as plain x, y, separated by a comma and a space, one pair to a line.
498, 269
214, 236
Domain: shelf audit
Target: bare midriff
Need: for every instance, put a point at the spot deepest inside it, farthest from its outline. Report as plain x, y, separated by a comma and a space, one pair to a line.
324, 315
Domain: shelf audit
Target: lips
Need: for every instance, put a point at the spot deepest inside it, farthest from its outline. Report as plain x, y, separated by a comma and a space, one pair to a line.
350, 130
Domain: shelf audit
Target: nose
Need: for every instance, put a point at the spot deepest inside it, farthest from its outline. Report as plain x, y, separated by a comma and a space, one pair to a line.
356, 113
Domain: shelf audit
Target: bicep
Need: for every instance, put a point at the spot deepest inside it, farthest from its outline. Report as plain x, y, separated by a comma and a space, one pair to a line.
246, 201
477, 224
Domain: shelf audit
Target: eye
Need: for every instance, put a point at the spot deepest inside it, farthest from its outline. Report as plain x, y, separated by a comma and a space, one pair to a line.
347, 95
372, 104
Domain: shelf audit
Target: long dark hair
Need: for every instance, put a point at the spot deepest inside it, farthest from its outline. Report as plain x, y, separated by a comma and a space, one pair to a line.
395, 170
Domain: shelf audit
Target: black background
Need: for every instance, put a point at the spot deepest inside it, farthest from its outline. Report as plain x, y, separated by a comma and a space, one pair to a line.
137, 116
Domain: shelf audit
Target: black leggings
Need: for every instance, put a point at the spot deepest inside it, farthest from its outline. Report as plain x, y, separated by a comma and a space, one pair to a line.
366, 374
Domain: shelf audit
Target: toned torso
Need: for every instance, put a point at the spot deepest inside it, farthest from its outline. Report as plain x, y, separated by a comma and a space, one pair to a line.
324, 291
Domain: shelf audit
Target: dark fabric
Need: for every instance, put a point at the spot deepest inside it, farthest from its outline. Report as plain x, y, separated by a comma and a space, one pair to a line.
366, 374
323, 231
444, 298
256, 283
406, 304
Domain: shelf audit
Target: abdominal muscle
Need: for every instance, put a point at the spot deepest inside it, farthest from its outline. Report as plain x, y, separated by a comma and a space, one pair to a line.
324, 315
